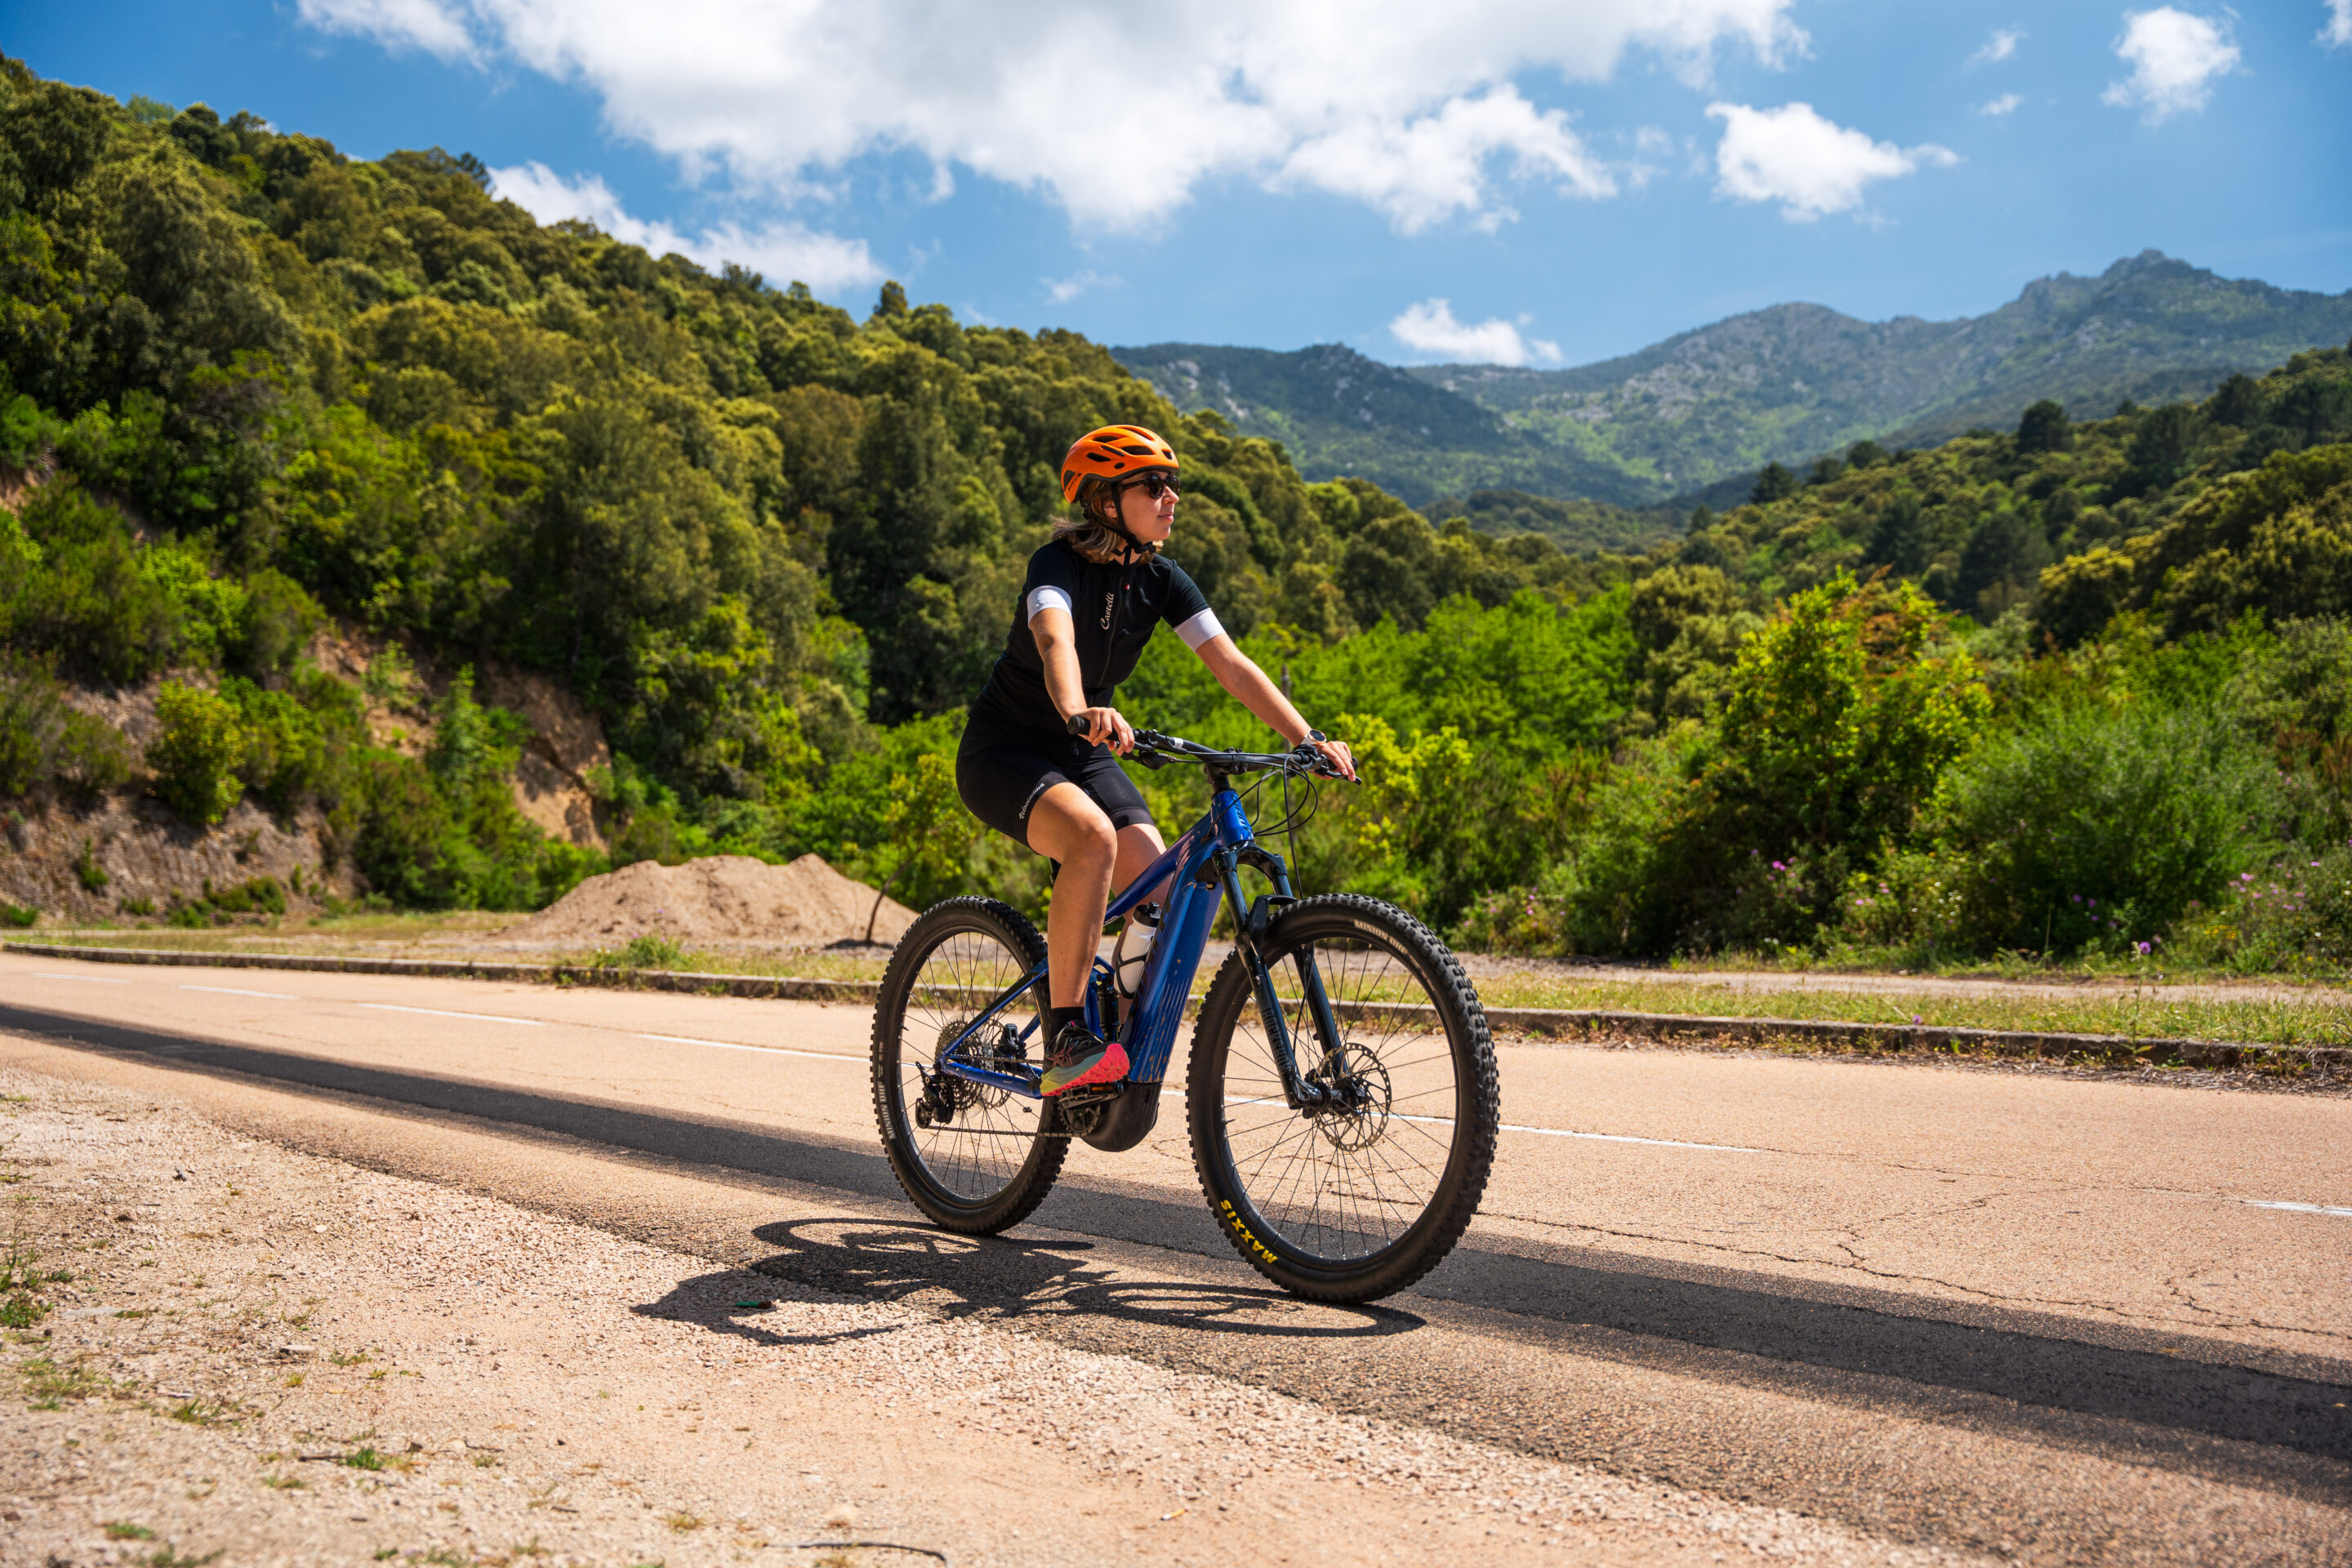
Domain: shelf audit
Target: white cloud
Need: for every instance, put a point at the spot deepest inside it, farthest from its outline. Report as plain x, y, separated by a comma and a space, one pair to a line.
2006, 104
1429, 328
427, 25
2002, 45
1062, 290
1809, 165
1429, 169
2174, 57
782, 252
2338, 31
1117, 113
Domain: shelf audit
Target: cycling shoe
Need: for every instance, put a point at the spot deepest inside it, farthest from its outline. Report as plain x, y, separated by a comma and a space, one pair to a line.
1080, 1058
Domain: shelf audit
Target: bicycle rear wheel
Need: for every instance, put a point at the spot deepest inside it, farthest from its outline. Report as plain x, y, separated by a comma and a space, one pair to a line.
975, 1159
1358, 1200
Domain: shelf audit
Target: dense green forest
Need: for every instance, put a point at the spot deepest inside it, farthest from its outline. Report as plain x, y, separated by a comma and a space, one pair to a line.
2061, 690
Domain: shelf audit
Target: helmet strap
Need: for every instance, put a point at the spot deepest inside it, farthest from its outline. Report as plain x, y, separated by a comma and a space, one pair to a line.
1117, 523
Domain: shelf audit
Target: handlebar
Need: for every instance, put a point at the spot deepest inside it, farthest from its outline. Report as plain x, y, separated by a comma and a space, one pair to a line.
1303, 758
1155, 750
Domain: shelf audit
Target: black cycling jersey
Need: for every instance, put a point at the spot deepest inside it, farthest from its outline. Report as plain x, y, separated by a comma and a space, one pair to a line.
1113, 608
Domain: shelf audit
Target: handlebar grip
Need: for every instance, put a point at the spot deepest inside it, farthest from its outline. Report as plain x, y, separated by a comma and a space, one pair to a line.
1075, 724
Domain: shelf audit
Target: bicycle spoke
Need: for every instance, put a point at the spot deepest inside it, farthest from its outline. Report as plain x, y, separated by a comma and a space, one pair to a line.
1343, 1182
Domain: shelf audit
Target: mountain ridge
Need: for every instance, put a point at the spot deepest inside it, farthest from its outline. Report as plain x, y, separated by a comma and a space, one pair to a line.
1780, 384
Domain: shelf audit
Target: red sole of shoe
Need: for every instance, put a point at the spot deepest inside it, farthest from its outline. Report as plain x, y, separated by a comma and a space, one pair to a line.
1110, 1070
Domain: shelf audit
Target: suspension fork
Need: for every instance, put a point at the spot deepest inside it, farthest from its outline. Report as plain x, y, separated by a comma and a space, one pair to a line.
1250, 921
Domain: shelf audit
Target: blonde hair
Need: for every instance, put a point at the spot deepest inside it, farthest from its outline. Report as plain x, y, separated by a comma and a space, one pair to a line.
1089, 535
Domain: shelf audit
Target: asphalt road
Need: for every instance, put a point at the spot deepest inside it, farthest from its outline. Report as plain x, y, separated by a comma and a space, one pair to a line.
2064, 1321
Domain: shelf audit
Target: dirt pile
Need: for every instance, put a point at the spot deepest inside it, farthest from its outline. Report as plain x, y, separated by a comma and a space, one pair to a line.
724, 901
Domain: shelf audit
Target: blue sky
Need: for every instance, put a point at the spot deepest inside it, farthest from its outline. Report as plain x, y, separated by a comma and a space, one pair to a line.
1489, 179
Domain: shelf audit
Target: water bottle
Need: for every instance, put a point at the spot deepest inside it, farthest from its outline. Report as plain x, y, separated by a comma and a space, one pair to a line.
1134, 946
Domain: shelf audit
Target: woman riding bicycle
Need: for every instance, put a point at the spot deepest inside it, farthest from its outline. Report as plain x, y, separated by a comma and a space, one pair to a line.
1094, 593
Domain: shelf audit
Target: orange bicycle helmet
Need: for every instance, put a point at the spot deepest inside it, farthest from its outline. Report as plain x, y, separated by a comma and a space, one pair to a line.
1111, 451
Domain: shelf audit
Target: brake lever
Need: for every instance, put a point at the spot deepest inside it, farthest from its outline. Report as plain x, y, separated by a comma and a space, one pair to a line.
1152, 759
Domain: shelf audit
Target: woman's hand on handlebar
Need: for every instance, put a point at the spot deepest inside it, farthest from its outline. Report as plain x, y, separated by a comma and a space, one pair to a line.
1100, 724
1335, 755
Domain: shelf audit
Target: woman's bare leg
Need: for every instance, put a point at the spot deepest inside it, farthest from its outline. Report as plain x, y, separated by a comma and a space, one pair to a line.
1138, 847
1066, 824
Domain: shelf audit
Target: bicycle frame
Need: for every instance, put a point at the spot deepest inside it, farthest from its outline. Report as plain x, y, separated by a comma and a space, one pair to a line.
1197, 872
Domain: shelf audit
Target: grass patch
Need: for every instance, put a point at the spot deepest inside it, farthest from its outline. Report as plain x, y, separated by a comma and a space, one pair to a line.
2146, 1012
48, 1385
202, 1412
283, 1483
652, 951
123, 1530
169, 1558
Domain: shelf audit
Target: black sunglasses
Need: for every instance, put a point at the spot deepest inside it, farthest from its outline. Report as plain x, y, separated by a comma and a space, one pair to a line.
1154, 484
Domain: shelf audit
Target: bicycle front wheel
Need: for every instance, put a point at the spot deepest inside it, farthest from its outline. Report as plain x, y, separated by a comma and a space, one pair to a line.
974, 1158
1359, 1198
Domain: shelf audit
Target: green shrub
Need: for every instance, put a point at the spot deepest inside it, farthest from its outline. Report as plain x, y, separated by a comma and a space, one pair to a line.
16, 915
284, 744
44, 741
88, 871
2099, 823
88, 598
256, 895
2295, 913
403, 838
89, 755
195, 755
22, 758
277, 626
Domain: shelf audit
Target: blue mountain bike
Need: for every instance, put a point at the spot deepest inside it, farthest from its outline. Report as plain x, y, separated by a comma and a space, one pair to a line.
1341, 1091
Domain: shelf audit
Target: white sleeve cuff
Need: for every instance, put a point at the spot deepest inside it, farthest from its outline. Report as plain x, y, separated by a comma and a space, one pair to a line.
1047, 598
1200, 629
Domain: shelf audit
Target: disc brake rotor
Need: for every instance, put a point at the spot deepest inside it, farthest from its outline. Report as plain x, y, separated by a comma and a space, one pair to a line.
1359, 1117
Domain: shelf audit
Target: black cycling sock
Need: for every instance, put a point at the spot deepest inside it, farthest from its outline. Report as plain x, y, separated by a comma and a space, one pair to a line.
1057, 1018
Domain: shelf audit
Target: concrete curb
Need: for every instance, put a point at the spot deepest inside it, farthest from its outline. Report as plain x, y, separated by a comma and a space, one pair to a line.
1676, 1028
1556, 1023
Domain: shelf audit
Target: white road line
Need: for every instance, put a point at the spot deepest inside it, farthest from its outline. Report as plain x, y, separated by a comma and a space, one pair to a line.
2298, 1208
445, 1013
1628, 1138
87, 979
232, 991
764, 1050
1540, 1132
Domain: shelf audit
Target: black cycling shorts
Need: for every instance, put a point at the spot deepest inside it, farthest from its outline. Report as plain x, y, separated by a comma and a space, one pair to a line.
1001, 777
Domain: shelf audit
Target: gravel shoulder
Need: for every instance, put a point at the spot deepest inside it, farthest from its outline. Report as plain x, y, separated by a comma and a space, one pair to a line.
275, 1357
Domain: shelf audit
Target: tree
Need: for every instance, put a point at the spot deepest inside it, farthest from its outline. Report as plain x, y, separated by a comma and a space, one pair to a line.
2044, 428
1899, 538
1775, 483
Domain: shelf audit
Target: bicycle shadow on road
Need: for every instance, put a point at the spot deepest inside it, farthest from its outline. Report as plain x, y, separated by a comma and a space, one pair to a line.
1017, 1277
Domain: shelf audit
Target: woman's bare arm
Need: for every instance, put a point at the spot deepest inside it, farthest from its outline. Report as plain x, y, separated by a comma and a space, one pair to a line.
1057, 647
1240, 675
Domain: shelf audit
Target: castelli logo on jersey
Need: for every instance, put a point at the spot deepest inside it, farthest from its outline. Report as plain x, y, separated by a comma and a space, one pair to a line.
1109, 601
